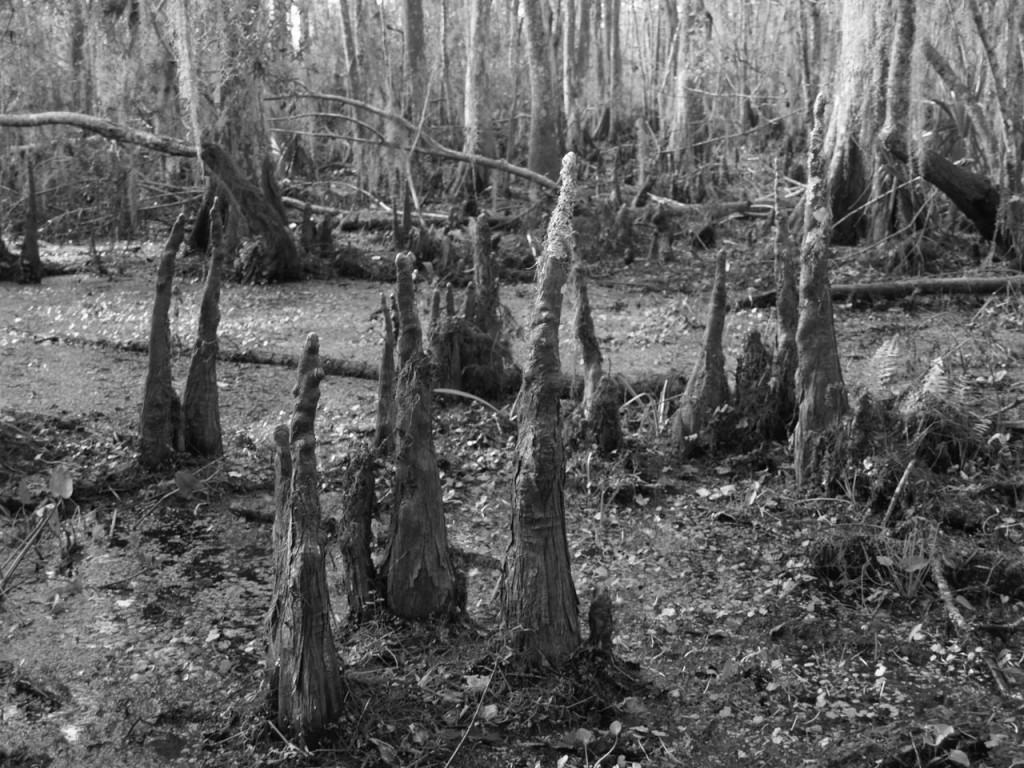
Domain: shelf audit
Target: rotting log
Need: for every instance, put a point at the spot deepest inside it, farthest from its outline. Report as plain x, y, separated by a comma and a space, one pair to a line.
538, 597
421, 580
201, 402
898, 289
310, 691
821, 395
160, 426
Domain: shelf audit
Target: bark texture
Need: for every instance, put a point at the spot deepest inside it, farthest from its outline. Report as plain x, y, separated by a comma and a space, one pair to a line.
382, 435
31, 264
485, 353
539, 601
160, 428
445, 339
264, 211
708, 387
821, 394
203, 435
310, 691
601, 422
355, 533
421, 575
543, 149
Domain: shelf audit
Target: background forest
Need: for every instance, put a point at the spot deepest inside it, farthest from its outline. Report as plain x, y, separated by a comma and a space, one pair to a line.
691, 94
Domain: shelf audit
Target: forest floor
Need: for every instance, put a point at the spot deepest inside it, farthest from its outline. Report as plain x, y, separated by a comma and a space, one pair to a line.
133, 635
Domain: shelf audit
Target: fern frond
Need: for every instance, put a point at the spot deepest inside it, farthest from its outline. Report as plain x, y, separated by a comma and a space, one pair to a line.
883, 364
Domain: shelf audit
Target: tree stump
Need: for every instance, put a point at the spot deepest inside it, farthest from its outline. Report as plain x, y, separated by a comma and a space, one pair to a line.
355, 532
309, 688
538, 597
444, 339
421, 577
201, 400
161, 429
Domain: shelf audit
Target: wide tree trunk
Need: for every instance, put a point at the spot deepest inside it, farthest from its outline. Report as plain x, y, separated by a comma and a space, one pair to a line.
538, 597
160, 427
310, 690
264, 211
421, 576
821, 394
543, 139
201, 400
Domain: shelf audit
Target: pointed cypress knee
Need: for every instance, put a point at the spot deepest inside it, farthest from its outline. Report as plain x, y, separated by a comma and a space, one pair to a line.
201, 400
160, 426
538, 597
421, 579
310, 690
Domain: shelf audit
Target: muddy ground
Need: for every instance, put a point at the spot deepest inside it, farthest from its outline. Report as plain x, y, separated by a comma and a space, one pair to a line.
133, 635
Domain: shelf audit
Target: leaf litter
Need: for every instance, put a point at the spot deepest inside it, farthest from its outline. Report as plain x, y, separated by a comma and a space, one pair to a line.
733, 646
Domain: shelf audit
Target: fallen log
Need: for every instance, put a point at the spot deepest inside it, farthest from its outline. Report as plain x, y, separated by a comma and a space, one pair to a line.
900, 288
670, 383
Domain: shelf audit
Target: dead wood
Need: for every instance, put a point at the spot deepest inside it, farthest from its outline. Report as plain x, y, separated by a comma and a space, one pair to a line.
898, 289
708, 388
444, 339
160, 426
201, 399
538, 597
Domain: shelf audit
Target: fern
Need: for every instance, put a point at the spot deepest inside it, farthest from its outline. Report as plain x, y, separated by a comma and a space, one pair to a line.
882, 366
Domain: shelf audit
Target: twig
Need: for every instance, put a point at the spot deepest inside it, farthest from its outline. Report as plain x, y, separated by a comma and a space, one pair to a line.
286, 740
943, 586
898, 493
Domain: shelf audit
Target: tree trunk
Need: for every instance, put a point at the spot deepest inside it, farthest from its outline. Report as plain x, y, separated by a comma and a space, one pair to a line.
821, 394
479, 131
421, 576
160, 427
417, 70
485, 354
310, 690
31, 264
539, 602
383, 439
543, 138
787, 316
265, 214
201, 401
708, 387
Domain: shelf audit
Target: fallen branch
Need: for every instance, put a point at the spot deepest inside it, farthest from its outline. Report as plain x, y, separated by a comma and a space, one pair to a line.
900, 288
103, 127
